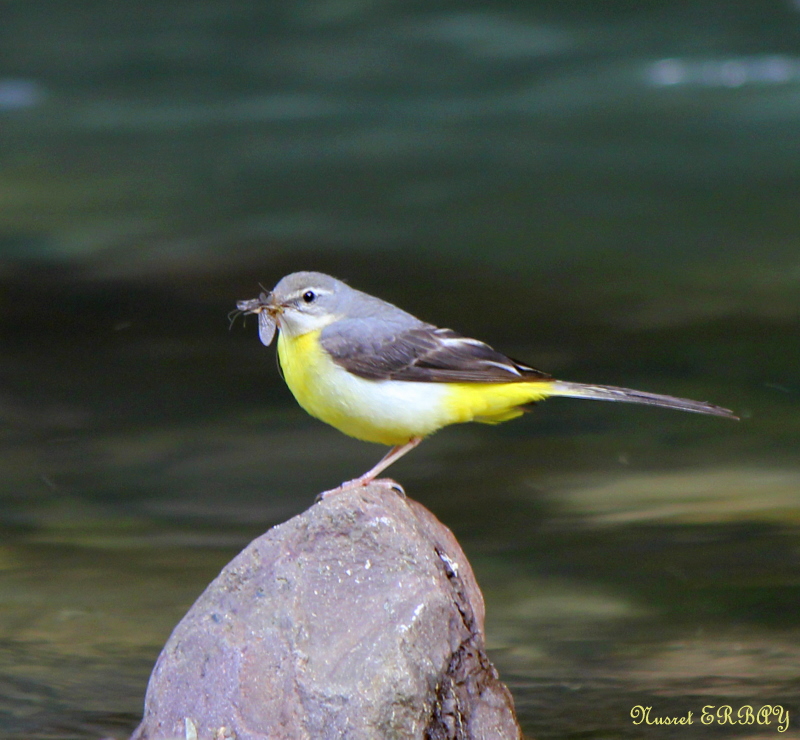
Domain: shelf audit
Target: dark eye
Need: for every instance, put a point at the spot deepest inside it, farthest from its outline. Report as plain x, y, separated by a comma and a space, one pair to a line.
309, 296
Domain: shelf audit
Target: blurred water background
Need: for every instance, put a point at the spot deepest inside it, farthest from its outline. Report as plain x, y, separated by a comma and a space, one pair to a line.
608, 191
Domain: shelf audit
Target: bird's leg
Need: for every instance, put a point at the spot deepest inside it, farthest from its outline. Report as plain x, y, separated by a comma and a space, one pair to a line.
393, 455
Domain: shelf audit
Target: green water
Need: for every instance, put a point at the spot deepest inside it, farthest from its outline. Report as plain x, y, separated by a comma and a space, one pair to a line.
606, 192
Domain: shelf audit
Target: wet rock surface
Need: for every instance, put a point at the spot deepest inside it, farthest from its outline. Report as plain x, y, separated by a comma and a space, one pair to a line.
359, 618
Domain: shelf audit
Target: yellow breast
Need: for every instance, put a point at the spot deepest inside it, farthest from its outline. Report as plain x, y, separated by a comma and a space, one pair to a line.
384, 411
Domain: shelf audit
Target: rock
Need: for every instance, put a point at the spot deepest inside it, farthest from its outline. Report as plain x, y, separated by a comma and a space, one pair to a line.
358, 619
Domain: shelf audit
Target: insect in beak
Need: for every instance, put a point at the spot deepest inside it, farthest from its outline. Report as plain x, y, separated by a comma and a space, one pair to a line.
268, 312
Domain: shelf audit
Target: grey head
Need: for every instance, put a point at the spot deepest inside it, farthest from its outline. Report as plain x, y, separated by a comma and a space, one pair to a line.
310, 301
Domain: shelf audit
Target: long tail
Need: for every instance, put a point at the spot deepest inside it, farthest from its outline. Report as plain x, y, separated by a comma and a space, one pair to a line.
627, 395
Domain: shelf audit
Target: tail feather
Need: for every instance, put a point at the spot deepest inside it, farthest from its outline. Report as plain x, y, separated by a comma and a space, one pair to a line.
628, 395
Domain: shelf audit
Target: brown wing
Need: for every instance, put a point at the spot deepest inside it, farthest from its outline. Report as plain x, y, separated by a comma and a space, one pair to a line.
422, 353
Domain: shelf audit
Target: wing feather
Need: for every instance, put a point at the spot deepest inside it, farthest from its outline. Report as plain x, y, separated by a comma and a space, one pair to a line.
420, 353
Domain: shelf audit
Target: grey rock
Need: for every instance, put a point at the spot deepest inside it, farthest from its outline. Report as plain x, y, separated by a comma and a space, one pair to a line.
359, 618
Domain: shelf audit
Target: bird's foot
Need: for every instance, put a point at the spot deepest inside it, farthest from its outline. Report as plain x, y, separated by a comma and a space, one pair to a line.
362, 482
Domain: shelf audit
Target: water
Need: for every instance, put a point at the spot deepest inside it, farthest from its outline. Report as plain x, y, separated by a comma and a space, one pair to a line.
606, 192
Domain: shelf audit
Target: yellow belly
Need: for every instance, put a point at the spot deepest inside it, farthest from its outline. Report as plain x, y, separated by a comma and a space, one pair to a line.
392, 411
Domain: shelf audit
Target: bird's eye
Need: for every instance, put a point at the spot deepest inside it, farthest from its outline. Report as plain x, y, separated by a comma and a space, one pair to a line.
309, 296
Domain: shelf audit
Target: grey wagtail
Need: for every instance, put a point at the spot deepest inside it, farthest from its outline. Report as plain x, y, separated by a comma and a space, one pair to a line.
379, 374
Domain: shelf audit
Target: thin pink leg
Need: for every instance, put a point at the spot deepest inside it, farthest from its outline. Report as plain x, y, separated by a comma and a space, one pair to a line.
392, 456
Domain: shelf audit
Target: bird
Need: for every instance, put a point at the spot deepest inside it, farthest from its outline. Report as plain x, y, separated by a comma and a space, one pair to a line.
379, 374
